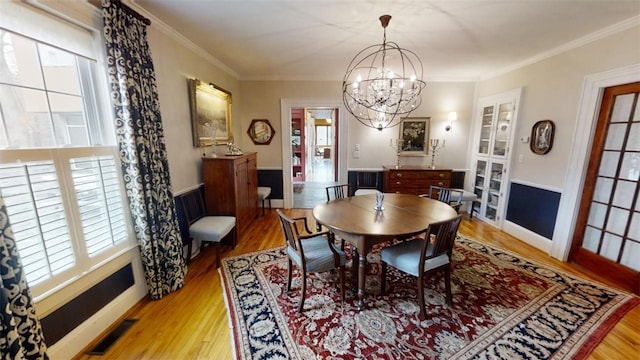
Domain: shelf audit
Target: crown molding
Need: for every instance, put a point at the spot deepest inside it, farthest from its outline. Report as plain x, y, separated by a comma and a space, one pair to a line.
597, 35
171, 32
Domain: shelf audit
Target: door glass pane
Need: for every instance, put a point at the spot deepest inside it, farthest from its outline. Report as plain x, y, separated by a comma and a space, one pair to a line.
617, 220
591, 239
630, 167
603, 190
633, 142
502, 129
609, 163
624, 194
611, 246
634, 227
622, 108
615, 136
596, 215
631, 255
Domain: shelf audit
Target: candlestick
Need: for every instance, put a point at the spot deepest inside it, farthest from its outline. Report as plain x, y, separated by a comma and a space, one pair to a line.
434, 148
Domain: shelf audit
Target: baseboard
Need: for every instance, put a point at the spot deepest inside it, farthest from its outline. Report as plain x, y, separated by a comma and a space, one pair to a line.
527, 236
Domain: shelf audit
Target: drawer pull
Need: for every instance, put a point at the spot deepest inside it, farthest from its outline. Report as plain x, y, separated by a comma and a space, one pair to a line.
398, 183
440, 183
441, 175
399, 174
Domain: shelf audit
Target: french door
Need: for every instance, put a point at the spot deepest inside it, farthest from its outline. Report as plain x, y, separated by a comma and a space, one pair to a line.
607, 235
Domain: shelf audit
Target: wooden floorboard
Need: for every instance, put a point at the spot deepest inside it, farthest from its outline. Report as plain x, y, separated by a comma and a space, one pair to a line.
192, 323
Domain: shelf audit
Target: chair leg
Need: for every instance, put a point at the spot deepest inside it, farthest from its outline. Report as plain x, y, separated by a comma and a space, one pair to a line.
447, 286
423, 313
189, 250
304, 289
289, 271
218, 246
383, 277
342, 283
263, 207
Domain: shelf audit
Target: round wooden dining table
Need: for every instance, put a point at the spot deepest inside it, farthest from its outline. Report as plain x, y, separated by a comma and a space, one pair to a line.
356, 220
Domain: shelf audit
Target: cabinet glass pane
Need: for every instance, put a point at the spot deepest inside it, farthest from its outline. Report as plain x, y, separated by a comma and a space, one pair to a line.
617, 220
502, 129
478, 186
485, 130
596, 215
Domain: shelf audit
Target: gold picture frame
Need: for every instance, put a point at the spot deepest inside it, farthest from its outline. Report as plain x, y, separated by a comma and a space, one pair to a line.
210, 114
414, 136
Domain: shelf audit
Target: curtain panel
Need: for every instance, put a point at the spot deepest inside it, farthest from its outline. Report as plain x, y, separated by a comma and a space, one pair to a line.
142, 148
22, 336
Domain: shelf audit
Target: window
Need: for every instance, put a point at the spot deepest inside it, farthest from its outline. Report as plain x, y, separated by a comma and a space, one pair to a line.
59, 172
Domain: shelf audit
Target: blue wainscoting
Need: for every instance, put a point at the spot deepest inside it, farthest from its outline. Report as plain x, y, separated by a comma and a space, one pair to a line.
533, 208
272, 179
70, 315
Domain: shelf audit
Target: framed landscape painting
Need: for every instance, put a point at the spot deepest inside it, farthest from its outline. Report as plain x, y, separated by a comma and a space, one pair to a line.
210, 114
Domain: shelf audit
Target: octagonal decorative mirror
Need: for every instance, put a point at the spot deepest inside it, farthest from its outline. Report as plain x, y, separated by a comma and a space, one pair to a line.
261, 132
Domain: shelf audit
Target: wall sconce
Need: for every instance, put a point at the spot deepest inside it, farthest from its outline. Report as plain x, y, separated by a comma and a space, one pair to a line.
453, 116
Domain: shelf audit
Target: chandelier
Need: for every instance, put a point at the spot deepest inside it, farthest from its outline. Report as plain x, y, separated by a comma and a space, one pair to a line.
382, 82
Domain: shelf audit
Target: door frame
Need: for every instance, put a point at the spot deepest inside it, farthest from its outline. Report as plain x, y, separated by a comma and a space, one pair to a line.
588, 110
285, 120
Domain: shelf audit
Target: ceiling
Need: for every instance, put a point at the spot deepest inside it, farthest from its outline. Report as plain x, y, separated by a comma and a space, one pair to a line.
316, 40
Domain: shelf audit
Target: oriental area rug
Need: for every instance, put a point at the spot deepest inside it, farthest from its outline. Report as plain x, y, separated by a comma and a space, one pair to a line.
504, 307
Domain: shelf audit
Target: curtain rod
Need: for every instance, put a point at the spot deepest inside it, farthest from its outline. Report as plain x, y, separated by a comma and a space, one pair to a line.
132, 12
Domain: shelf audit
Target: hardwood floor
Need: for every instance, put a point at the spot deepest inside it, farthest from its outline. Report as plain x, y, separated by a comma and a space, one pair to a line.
192, 323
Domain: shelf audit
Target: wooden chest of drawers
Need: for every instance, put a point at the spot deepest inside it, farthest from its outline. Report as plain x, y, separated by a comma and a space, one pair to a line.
413, 179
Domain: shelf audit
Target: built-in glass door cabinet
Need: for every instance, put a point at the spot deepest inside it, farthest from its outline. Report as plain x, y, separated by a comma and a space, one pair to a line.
297, 144
495, 126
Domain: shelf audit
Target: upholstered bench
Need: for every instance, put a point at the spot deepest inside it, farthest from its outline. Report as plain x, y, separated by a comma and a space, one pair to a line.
263, 195
195, 224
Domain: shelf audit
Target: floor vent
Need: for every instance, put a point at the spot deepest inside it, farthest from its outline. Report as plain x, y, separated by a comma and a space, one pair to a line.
113, 336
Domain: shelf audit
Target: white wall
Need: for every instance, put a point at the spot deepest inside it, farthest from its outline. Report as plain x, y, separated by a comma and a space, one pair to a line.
261, 100
552, 90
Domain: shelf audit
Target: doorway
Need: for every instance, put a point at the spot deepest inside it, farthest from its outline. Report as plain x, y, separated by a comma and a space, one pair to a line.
314, 140
320, 157
607, 235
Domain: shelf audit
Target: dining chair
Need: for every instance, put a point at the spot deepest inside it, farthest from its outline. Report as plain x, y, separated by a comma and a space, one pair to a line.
311, 252
422, 256
338, 191
366, 182
446, 195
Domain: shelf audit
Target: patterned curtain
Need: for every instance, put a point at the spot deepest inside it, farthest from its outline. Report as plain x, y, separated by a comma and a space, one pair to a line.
22, 336
143, 153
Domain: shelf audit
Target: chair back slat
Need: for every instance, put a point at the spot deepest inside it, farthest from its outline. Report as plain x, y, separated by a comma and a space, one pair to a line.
289, 229
338, 191
446, 195
193, 205
445, 233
